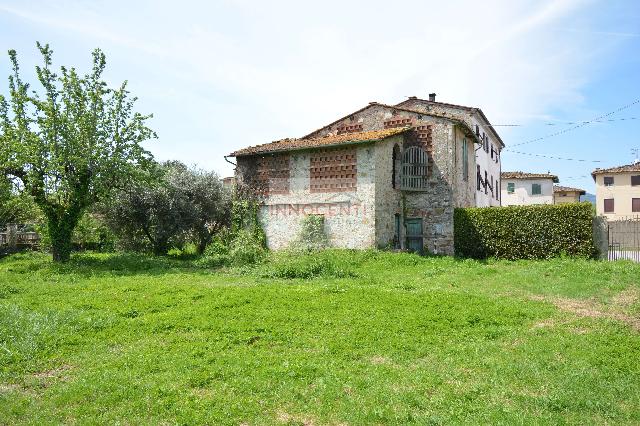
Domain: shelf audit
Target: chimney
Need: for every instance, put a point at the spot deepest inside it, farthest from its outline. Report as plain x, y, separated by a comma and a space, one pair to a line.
432, 97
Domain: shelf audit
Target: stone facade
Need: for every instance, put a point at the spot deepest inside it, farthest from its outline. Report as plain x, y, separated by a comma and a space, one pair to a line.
368, 215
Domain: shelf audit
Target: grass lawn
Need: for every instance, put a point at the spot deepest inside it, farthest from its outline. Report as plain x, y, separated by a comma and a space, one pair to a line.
334, 338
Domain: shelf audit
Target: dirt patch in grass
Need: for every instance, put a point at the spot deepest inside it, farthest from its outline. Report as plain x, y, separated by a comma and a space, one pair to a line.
296, 419
379, 360
626, 298
589, 308
54, 373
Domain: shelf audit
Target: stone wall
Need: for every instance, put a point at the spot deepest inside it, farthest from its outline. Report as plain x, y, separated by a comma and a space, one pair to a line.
472, 118
373, 224
349, 216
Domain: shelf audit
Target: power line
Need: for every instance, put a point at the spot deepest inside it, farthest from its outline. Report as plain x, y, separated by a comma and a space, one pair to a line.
554, 158
584, 123
560, 123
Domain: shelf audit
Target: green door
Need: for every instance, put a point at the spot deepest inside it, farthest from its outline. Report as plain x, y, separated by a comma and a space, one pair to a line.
414, 235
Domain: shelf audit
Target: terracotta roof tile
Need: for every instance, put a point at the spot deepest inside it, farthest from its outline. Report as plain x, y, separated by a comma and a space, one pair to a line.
560, 188
297, 144
400, 108
461, 107
523, 175
619, 169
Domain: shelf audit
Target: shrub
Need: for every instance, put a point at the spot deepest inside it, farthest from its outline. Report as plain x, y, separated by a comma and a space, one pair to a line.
312, 235
242, 248
524, 232
291, 265
246, 248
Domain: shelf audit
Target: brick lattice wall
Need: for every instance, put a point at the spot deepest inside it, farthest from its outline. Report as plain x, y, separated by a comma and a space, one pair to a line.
272, 174
333, 170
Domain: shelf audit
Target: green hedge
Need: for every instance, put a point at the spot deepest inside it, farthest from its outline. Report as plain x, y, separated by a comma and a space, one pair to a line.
524, 232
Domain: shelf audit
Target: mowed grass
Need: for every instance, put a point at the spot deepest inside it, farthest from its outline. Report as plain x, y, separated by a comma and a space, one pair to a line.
333, 338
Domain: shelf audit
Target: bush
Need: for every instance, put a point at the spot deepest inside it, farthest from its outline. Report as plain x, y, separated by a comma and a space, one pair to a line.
312, 235
524, 232
244, 247
328, 264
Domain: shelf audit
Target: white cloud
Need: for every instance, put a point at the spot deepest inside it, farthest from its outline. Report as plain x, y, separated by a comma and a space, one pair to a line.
244, 72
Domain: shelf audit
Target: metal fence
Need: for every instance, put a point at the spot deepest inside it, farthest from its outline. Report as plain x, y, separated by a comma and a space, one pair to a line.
624, 238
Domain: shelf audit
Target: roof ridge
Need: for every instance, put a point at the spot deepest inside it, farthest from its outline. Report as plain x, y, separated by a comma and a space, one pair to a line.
290, 144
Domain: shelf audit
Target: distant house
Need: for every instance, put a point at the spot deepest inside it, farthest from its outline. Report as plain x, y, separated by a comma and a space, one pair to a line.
522, 189
228, 182
618, 191
381, 176
566, 194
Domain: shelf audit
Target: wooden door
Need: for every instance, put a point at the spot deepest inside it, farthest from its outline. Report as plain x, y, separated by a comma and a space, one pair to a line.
415, 242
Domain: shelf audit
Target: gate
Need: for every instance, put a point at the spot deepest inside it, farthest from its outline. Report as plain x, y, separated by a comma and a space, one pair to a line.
624, 239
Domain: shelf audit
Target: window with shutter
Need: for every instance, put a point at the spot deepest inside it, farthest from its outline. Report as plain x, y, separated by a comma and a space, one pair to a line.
415, 167
511, 187
536, 189
635, 205
486, 180
635, 180
465, 160
608, 205
608, 180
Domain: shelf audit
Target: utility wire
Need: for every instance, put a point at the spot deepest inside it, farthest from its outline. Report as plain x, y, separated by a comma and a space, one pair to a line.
554, 158
584, 123
560, 123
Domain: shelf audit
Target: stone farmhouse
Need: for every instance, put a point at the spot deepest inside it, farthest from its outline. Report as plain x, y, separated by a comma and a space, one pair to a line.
618, 191
382, 176
523, 189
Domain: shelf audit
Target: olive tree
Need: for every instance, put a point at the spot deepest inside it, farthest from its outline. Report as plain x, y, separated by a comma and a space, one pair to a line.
70, 145
185, 204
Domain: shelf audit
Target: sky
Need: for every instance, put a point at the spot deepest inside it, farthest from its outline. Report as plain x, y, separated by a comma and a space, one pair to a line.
221, 75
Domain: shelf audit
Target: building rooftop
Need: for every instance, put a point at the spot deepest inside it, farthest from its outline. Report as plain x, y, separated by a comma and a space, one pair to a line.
443, 116
523, 175
327, 141
634, 167
461, 107
560, 188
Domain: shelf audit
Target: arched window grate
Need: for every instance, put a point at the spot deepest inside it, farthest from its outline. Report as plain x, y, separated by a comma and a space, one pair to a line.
415, 167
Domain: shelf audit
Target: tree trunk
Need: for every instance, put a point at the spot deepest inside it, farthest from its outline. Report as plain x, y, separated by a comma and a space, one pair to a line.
60, 232
160, 247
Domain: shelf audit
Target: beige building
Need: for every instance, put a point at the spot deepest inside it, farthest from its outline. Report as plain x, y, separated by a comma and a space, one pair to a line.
566, 194
382, 176
523, 189
618, 191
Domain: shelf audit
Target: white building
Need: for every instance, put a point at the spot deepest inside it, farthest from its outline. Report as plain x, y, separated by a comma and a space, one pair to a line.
523, 189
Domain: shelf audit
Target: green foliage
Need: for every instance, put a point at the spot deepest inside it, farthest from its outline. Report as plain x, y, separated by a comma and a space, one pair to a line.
245, 209
183, 205
246, 248
71, 145
524, 232
91, 233
312, 236
188, 252
16, 207
292, 265
242, 248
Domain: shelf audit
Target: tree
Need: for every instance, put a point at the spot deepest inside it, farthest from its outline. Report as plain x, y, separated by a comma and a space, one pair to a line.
71, 146
209, 203
187, 204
